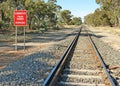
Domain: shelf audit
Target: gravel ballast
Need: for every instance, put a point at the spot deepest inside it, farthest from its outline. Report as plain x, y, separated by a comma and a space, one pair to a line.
34, 68
110, 56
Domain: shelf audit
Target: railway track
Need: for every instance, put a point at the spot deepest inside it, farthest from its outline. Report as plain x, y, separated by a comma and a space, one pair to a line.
81, 65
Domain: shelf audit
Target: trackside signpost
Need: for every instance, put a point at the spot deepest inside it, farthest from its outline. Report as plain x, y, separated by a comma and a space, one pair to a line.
20, 19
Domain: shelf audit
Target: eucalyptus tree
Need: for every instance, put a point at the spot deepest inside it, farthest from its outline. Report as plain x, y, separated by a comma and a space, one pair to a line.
7, 12
89, 19
30, 7
112, 8
65, 16
40, 13
53, 13
76, 21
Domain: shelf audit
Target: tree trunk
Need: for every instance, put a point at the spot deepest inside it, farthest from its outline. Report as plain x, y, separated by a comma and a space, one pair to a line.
29, 26
0, 15
119, 22
29, 23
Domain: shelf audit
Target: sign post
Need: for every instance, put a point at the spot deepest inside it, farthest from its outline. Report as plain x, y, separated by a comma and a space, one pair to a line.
24, 38
20, 19
16, 39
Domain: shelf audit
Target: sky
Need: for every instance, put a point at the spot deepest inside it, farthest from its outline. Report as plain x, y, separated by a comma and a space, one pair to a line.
78, 8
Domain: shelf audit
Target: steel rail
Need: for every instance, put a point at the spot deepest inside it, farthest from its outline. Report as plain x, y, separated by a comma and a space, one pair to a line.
55, 72
101, 61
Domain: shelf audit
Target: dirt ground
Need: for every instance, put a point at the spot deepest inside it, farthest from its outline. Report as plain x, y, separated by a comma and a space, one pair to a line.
43, 41
36, 43
111, 36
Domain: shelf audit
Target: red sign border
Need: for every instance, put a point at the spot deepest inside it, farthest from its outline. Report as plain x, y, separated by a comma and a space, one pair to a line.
19, 11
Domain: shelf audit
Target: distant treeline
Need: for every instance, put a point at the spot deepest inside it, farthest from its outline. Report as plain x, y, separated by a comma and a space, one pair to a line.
41, 15
107, 15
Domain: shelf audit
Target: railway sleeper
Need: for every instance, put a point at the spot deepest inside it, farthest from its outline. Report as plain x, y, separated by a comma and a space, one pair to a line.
61, 83
80, 77
82, 80
82, 72
92, 67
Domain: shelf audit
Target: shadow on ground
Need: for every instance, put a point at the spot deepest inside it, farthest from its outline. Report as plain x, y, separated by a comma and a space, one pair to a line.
32, 68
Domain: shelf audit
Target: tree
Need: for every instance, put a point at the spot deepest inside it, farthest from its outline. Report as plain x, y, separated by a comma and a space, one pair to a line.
98, 18
89, 19
7, 12
53, 13
112, 8
108, 14
76, 21
40, 14
65, 16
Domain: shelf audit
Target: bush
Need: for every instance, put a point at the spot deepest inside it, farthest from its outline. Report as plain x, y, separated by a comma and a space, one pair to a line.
1, 24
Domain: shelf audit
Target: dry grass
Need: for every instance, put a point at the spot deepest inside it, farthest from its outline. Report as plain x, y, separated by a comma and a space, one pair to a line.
112, 30
70, 26
109, 35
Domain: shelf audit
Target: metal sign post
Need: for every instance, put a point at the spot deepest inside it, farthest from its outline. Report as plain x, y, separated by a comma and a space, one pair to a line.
16, 39
24, 38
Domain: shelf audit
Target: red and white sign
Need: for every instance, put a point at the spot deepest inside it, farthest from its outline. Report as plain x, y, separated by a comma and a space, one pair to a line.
20, 18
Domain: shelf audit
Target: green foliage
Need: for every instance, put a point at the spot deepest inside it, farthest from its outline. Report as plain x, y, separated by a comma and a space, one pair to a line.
98, 18
98, 1
108, 14
76, 21
41, 15
1, 24
89, 19
65, 16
